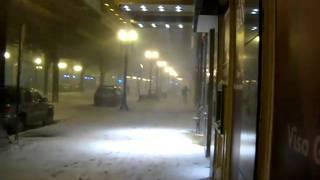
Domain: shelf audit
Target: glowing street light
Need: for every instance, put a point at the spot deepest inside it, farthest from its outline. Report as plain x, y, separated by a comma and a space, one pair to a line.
162, 64
77, 68
62, 65
151, 54
168, 69
38, 61
173, 73
127, 35
39, 67
7, 55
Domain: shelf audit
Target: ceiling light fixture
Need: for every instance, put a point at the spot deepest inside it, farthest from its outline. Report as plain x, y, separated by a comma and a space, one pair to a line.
153, 25
140, 25
254, 28
180, 26
126, 8
167, 26
161, 8
178, 8
143, 8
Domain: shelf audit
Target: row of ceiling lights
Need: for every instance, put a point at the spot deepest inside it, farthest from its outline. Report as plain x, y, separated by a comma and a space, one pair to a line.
126, 7
116, 14
154, 25
160, 8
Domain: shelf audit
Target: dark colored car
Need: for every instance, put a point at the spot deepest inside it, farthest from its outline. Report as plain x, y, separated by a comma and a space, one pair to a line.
34, 109
107, 95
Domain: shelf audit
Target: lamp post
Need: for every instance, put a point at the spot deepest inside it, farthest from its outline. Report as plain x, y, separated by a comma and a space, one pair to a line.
126, 37
151, 55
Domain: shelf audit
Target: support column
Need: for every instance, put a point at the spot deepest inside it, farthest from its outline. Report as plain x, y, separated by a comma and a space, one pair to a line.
3, 38
82, 73
157, 82
46, 75
102, 72
124, 105
55, 75
150, 78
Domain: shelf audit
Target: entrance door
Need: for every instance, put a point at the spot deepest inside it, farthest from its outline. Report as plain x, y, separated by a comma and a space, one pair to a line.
245, 90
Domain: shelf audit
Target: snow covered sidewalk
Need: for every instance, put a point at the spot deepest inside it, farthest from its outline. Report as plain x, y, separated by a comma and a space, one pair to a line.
151, 142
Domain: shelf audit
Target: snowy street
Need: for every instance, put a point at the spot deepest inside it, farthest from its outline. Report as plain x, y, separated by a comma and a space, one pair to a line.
153, 141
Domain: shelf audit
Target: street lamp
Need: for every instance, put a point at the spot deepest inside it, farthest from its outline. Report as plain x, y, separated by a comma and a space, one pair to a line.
62, 65
77, 68
162, 64
126, 37
38, 61
7, 55
151, 55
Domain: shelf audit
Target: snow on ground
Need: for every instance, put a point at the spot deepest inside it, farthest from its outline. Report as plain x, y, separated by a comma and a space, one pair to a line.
151, 142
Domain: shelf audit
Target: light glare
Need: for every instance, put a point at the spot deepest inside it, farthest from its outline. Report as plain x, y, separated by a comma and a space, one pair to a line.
160, 141
77, 68
122, 35
38, 61
7, 55
62, 65
161, 64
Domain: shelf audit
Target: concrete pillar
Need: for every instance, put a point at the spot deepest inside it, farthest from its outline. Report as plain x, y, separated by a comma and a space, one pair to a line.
3, 38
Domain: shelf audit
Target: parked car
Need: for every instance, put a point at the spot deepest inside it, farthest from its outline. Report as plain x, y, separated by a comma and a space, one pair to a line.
34, 109
107, 95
